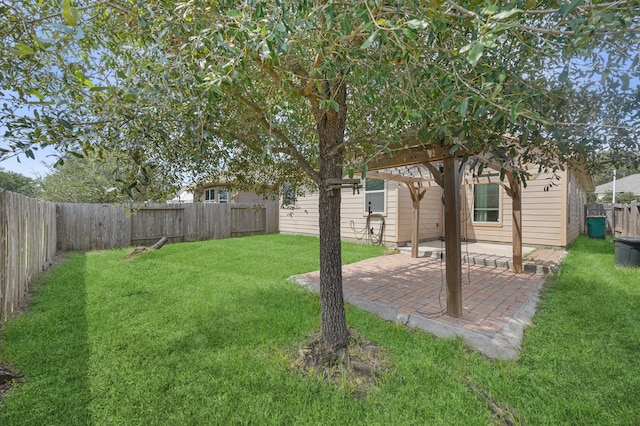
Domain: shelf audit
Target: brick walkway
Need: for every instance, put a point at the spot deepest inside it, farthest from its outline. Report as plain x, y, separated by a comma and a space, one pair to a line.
497, 303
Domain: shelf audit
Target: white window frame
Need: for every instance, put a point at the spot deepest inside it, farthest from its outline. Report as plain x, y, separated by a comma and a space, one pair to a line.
207, 198
498, 208
382, 191
221, 192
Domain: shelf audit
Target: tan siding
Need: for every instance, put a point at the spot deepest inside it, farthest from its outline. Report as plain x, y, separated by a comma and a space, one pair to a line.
576, 199
542, 213
303, 218
250, 197
430, 214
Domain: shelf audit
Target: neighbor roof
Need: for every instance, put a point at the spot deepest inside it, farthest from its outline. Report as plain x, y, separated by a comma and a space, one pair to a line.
626, 184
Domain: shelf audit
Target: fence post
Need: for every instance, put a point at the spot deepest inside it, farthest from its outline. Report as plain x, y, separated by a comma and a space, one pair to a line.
633, 219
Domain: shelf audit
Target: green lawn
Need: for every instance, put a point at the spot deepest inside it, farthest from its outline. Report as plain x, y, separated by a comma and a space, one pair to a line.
201, 333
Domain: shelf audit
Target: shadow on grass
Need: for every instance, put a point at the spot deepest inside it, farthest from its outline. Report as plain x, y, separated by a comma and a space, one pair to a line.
49, 346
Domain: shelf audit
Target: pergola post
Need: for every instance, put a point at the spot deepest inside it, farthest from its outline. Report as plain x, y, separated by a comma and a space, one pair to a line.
515, 194
452, 205
417, 194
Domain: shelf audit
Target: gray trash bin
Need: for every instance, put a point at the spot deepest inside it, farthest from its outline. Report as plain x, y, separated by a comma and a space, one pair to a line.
627, 251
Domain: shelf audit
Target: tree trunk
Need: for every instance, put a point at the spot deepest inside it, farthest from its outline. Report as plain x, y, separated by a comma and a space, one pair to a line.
331, 126
334, 322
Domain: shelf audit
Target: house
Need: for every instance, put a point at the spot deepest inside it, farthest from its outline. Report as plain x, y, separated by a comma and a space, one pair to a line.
219, 193
630, 184
552, 208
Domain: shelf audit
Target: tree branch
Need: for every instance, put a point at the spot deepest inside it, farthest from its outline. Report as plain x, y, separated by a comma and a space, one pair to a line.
280, 135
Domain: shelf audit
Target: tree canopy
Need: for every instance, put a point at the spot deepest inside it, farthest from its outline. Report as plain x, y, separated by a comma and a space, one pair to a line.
15, 182
307, 90
92, 180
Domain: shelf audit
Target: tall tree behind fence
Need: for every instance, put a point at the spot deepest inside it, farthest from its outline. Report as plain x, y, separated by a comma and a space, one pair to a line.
27, 245
93, 226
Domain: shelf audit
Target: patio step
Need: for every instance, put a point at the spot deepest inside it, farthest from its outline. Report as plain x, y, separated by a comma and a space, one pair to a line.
490, 261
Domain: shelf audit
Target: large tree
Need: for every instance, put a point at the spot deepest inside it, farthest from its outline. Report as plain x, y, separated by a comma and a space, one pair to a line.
104, 180
322, 85
21, 184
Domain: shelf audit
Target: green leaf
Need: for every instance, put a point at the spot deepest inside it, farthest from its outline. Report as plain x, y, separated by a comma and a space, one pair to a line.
36, 93
65, 123
369, 40
475, 54
505, 14
603, 77
82, 79
411, 35
334, 105
514, 114
568, 8
564, 75
23, 50
70, 13
625, 81
464, 107
417, 24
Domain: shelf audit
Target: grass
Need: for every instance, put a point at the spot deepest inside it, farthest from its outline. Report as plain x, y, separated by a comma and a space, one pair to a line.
202, 333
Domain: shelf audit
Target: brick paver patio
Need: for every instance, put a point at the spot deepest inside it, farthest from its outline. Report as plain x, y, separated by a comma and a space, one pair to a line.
497, 303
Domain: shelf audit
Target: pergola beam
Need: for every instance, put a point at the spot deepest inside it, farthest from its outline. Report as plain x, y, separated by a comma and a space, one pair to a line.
412, 155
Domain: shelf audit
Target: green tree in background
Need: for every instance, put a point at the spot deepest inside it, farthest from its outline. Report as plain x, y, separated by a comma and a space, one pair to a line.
90, 180
15, 182
621, 197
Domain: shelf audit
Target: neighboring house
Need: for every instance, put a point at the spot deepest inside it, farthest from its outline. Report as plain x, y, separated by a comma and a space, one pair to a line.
219, 193
185, 195
626, 184
226, 193
552, 210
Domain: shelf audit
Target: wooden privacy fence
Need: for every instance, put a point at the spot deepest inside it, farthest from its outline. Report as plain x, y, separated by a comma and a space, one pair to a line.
624, 217
27, 245
96, 227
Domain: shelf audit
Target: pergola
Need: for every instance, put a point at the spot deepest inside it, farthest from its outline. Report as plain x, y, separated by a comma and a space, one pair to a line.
421, 165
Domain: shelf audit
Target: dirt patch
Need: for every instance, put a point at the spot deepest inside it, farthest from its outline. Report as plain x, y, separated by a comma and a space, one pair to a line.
8, 379
357, 368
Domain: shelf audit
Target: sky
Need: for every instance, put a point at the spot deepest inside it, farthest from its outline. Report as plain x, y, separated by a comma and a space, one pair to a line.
28, 167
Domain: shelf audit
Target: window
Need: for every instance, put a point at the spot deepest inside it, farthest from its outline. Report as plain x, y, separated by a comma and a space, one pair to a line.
223, 196
288, 195
374, 196
210, 195
486, 203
